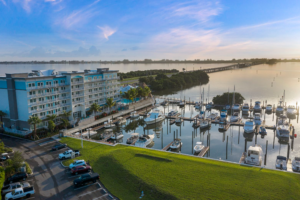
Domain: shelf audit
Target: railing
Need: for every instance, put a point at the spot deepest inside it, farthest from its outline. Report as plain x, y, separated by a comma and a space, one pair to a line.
48, 93
15, 131
77, 89
77, 82
78, 95
46, 86
80, 101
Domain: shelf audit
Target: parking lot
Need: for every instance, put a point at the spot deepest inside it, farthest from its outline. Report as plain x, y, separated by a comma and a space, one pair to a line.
50, 179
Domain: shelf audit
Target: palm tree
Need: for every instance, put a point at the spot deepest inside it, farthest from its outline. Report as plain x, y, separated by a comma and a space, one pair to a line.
51, 117
94, 108
65, 123
34, 120
110, 103
146, 91
2, 114
66, 114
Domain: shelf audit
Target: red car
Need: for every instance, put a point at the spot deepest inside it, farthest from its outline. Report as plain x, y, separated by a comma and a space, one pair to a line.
81, 169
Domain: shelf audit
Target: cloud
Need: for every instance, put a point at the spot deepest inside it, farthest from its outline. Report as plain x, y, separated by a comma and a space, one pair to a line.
107, 31
26, 4
3, 1
124, 49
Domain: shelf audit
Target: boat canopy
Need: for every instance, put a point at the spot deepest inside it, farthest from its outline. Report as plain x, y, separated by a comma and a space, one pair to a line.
154, 115
257, 102
249, 123
235, 114
198, 143
134, 134
254, 149
281, 158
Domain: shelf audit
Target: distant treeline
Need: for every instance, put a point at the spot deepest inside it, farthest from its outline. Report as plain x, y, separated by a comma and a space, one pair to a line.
134, 74
226, 98
182, 79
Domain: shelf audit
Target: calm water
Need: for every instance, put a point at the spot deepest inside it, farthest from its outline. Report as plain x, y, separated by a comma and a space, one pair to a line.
253, 83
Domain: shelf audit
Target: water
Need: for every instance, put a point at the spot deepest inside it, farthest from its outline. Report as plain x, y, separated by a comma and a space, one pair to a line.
126, 101
253, 83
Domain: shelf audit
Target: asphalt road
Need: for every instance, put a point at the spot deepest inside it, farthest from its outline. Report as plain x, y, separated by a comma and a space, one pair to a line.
50, 179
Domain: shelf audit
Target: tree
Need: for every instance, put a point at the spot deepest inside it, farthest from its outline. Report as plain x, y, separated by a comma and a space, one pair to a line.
94, 108
51, 117
66, 114
110, 103
65, 123
17, 160
127, 95
34, 121
133, 94
146, 91
51, 125
160, 76
2, 114
140, 91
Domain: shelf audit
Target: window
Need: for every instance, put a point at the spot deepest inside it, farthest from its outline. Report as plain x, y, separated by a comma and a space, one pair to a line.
42, 106
40, 84
64, 108
90, 102
96, 101
63, 88
90, 96
48, 83
41, 99
49, 105
32, 93
31, 84
32, 100
64, 101
89, 78
62, 81
48, 90
90, 90
55, 82
41, 91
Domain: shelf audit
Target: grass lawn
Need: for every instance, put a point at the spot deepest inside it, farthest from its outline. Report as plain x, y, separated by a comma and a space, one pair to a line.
126, 171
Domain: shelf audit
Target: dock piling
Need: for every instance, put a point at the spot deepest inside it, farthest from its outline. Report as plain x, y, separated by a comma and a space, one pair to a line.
266, 153
226, 146
288, 151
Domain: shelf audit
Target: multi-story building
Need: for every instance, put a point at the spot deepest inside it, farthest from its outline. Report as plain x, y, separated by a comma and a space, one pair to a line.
45, 92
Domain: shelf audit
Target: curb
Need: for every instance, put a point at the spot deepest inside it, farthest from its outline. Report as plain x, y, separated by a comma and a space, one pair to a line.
63, 165
16, 137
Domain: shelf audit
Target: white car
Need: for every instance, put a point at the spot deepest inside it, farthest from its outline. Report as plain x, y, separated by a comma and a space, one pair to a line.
68, 154
77, 163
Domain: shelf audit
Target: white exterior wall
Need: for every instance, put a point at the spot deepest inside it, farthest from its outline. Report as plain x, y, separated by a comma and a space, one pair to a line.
22, 105
4, 106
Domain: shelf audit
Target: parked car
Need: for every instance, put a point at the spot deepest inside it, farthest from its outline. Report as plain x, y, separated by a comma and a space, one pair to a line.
81, 169
12, 186
16, 177
86, 178
68, 154
4, 157
77, 163
20, 193
59, 146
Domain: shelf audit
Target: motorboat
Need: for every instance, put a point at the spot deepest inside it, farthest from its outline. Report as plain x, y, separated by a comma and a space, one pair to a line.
165, 103
181, 103
235, 117
227, 107
201, 115
209, 106
245, 107
223, 126
199, 147
213, 115
296, 164
257, 119
262, 130
178, 120
291, 110
88, 134
132, 138
236, 107
283, 132
282, 120
269, 108
223, 115
155, 116
176, 144
121, 120
281, 163
257, 107
205, 124
249, 127
197, 105
280, 107
144, 140
134, 115
109, 124
254, 155
117, 136
172, 113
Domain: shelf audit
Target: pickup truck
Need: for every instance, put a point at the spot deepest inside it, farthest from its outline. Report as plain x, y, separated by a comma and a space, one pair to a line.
20, 193
13, 186
68, 154
16, 177
85, 178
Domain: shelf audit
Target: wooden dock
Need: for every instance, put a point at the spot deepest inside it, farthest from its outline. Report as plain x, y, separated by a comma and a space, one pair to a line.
289, 165
167, 147
242, 160
173, 117
107, 137
189, 119
204, 151
134, 141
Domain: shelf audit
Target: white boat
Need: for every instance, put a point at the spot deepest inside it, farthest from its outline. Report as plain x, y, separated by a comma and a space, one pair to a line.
134, 115
176, 144
205, 124
121, 120
117, 136
209, 106
144, 140
197, 105
227, 107
281, 163
155, 116
213, 115
257, 119
133, 136
178, 120
254, 155
257, 107
269, 108
223, 126
249, 127
291, 110
109, 124
245, 107
296, 164
172, 113
199, 147
235, 117
283, 132
181, 103
236, 107
223, 116
88, 133
282, 120
280, 108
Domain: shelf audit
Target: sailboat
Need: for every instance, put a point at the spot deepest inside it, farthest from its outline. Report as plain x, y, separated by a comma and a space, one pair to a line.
227, 107
209, 104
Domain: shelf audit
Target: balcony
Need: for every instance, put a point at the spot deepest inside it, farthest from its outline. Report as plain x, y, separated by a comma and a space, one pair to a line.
46, 86
78, 89
76, 102
78, 95
77, 82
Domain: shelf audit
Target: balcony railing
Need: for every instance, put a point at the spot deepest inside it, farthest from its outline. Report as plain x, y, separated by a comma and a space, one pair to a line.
77, 82
46, 86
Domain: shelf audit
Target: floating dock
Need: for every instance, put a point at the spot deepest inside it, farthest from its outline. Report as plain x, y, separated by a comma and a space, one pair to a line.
203, 152
167, 147
289, 165
242, 159
107, 137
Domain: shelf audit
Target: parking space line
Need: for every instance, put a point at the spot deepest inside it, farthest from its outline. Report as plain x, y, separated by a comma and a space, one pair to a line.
90, 192
31, 198
100, 196
44, 143
85, 186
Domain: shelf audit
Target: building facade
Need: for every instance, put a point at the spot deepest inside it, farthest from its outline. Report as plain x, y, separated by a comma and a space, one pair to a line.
46, 92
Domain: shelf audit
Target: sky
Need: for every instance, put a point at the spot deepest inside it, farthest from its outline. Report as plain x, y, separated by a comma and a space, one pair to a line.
140, 29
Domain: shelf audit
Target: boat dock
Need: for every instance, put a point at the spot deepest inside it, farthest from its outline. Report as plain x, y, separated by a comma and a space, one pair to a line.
107, 137
289, 165
242, 160
134, 141
203, 152
173, 117
167, 147
189, 118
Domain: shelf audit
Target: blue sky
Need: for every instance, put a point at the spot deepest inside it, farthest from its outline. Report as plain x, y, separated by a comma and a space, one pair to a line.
135, 30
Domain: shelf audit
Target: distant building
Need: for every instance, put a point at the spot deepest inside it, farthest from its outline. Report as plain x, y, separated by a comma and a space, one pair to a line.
45, 92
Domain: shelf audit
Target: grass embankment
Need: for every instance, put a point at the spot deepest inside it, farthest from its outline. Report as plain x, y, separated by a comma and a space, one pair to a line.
2, 179
126, 171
